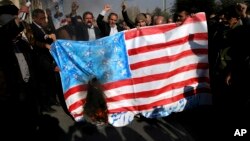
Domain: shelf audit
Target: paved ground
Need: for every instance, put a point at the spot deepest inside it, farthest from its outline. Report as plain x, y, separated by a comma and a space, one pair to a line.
225, 122
201, 124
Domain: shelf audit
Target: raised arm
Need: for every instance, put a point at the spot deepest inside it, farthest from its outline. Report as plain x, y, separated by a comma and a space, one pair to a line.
129, 23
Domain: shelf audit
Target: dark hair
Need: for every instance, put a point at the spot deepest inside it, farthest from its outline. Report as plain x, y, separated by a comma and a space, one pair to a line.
140, 16
36, 12
87, 13
111, 14
182, 7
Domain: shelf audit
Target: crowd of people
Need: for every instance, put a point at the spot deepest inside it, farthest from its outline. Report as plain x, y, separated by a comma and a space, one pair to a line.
228, 55
29, 77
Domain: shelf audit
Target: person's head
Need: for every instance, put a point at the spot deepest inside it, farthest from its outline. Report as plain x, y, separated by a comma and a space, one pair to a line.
88, 18
154, 17
38, 16
183, 12
231, 16
182, 16
68, 19
123, 24
149, 19
141, 19
160, 20
247, 2
170, 20
8, 11
112, 19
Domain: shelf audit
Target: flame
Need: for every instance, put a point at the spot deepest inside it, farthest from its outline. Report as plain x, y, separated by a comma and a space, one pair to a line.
100, 115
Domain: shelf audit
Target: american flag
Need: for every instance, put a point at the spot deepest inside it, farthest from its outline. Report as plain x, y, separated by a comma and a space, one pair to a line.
154, 71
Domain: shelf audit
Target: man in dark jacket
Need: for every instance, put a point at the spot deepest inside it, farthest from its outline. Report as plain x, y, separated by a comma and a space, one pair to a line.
111, 27
87, 30
45, 64
18, 87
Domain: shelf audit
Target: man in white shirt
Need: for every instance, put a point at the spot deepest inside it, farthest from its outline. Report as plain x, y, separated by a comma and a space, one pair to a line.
110, 27
87, 30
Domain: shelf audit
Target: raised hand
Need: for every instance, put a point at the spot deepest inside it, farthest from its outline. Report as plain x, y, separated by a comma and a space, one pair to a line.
107, 7
241, 9
124, 6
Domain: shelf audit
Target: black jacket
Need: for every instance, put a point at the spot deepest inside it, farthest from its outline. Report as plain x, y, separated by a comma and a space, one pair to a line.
105, 27
82, 32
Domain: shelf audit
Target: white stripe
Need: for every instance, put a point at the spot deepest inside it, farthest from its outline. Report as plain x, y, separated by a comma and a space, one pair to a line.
199, 44
174, 34
165, 106
75, 97
77, 111
149, 100
168, 67
204, 99
151, 85
157, 84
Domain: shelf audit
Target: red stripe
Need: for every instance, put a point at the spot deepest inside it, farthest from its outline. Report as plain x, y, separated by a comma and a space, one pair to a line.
155, 92
173, 99
77, 104
148, 78
157, 103
74, 90
148, 48
76, 115
199, 17
167, 59
161, 102
117, 84
130, 34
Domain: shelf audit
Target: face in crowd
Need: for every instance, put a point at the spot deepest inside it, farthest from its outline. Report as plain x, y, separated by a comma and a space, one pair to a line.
182, 16
112, 19
39, 17
160, 20
141, 23
88, 18
141, 20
